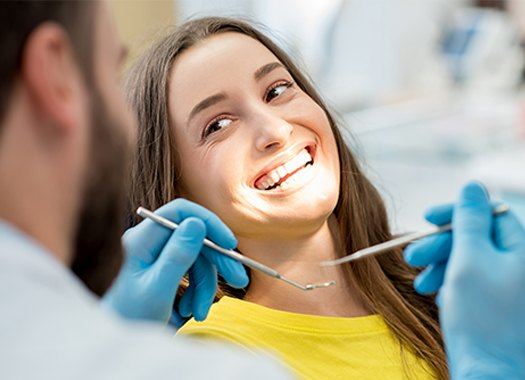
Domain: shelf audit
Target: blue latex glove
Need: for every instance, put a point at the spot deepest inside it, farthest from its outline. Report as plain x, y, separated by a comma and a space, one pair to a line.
432, 252
481, 301
157, 259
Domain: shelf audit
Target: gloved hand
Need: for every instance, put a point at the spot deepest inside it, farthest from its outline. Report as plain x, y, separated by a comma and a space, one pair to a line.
481, 300
157, 259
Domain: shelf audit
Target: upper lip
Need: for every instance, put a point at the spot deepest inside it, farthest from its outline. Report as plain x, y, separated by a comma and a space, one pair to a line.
284, 157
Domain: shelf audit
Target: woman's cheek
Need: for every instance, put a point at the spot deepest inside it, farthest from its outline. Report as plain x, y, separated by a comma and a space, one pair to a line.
217, 176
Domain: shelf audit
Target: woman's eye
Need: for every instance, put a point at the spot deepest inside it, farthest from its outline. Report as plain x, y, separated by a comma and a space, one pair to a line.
277, 90
215, 126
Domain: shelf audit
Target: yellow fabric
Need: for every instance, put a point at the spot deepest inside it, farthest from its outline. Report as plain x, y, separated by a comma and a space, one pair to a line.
314, 347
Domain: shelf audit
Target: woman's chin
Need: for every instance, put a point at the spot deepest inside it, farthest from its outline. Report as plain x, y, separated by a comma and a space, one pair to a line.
301, 214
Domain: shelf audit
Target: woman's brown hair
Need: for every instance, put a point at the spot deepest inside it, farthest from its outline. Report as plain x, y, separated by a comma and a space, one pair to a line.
385, 281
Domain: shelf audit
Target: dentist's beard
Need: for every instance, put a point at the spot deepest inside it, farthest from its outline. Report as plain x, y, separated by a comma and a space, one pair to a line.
98, 248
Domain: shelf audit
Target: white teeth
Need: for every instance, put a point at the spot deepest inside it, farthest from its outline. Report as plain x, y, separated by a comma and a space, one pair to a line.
281, 172
285, 185
273, 177
290, 165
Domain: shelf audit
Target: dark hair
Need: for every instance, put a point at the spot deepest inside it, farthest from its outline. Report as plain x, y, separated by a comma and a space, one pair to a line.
384, 282
18, 19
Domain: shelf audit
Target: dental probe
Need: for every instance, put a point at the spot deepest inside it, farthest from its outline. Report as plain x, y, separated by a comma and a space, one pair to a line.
145, 213
394, 243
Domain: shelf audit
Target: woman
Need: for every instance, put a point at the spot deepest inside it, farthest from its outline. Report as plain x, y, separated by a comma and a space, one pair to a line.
228, 120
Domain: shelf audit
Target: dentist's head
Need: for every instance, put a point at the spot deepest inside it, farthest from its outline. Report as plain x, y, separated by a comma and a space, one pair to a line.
64, 132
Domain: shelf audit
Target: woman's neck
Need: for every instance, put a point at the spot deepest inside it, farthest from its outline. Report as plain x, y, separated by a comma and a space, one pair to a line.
299, 260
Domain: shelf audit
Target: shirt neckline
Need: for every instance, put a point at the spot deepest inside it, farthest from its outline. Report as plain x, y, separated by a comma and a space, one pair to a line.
242, 309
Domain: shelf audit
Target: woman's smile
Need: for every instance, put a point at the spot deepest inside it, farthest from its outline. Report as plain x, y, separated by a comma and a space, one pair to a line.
287, 169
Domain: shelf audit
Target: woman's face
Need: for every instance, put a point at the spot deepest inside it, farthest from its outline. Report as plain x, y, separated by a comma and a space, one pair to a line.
253, 147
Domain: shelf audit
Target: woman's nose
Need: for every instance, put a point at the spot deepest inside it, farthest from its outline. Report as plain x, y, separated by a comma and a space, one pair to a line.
272, 132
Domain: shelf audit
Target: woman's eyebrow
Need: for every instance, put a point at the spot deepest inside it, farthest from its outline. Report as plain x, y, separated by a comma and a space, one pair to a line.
208, 102
266, 69
214, 99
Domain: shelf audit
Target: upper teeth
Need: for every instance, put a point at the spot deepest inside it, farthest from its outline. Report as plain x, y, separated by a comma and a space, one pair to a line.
274, 176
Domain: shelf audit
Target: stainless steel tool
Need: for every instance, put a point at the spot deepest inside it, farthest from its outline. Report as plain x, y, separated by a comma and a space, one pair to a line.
145, 213
394, 243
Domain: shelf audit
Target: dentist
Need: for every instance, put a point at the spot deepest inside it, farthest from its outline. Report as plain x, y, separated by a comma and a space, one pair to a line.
65, 137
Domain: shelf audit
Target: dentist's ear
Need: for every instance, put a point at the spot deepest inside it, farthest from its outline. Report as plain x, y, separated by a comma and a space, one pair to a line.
52, 78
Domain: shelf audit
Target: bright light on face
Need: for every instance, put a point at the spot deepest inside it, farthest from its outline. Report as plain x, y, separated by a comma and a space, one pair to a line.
254, 148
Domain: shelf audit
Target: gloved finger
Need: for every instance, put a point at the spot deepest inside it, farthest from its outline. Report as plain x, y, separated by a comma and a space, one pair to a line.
179, 254
186, 302
231, 270
440, 215
216, 230
433, 249
430, 280
146, 240
509, 233
472, 219
176, 320
204, 277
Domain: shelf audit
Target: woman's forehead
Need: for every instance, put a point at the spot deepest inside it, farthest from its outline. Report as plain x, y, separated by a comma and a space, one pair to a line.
223, 61
226, 46
222, 56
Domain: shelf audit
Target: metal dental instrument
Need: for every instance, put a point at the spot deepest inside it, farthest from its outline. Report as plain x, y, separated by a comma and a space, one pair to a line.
394, 243
145, 213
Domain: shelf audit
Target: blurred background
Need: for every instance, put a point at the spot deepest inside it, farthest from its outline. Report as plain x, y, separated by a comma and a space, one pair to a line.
430, 92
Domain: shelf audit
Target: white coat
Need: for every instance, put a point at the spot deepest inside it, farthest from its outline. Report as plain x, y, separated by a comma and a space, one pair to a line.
52, 327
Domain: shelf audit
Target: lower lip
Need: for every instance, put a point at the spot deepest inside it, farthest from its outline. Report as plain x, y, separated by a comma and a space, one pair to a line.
293, 183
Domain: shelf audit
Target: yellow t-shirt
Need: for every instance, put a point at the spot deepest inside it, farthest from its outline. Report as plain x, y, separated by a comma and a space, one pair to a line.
314, 347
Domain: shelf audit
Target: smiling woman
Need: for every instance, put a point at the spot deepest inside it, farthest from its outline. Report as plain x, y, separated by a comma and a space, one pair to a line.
228, 121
